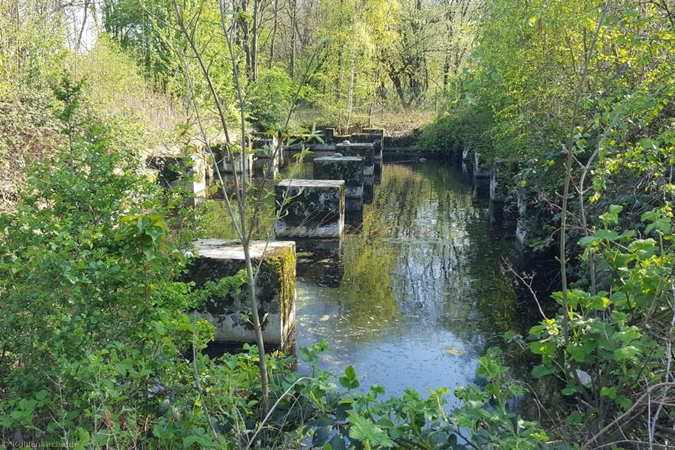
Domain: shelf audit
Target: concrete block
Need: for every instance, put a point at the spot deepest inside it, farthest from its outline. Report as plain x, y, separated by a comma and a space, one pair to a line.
310, 208
267, 154
275, 290
181, 172
374, 136
368, 189
347, 168
479, 168
363, 150
499, 180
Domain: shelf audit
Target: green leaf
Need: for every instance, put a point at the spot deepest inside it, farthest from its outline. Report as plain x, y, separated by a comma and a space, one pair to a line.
512, 336
349, 381
337, 442
363, 430
155, 232
574, 418
571, 390
609, 235
624, 402
609, 392
626, 352
547, 348
660, 221
321, 436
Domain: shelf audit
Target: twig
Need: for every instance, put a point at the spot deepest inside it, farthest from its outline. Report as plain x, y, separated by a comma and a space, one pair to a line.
628, 413
271, 410
540, 407
468, 442
669, 351
522, 280
198, 383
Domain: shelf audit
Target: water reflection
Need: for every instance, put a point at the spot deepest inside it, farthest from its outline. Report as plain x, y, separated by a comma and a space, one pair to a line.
422, 294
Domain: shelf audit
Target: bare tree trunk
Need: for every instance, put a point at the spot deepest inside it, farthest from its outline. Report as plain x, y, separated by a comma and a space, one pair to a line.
78, 43
294, 11
240, 185
275, 28
257, 5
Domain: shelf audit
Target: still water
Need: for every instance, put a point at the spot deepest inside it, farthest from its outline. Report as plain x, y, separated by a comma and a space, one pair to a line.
422, 295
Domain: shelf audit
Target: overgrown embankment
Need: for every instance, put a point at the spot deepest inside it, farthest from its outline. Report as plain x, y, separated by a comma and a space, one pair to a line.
581, 101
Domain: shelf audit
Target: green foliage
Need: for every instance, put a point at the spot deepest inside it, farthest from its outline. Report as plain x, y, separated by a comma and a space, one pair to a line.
32, 50
363, 420
615, 345
90, 314
459, 129
271, 97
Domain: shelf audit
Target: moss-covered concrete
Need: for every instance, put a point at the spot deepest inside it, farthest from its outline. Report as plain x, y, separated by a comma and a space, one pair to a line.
364, 150
373, 136
186, 172
310, 208
368, 189
275, 290
347, 168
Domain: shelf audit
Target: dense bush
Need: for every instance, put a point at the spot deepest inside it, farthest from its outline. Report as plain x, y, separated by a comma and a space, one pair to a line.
271, 97
86, 274
460, 128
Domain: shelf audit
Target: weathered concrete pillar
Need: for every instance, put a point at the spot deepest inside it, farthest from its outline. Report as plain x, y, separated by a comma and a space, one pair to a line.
353, 215
526, 201
226, 166
329, 136
481, 179
376, 137
480, 169
310, 208
347, 168
368, 189
275, 290
181, 172
499, 180
363, 150
318, 150
467, 162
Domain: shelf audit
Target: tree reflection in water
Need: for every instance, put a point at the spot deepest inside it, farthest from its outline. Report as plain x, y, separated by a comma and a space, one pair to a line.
422, 294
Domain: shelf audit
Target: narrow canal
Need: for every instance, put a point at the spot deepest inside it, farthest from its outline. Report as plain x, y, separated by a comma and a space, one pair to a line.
422, 294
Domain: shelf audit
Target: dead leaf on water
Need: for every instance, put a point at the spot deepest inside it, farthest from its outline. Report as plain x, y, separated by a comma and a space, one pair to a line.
452, 351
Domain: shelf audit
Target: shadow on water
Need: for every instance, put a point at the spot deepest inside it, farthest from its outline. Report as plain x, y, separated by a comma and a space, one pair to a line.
422, 293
